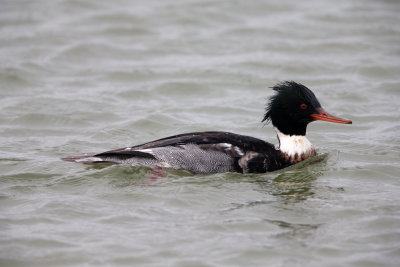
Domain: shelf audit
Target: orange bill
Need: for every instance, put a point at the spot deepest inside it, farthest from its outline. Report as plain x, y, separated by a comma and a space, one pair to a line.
325, 116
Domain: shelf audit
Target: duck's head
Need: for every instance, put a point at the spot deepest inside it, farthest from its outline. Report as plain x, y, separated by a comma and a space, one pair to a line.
293, 107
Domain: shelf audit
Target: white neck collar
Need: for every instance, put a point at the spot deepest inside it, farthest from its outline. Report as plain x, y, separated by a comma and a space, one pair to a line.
295, 145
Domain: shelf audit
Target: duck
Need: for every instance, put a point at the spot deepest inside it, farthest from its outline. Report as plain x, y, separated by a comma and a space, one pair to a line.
290, 109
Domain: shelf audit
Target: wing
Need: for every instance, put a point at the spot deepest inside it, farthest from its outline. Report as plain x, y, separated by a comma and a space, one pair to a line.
237, 140
199, 152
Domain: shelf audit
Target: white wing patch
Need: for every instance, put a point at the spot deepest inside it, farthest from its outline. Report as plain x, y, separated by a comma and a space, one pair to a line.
228, 146
239, 151
89, 159
147, 150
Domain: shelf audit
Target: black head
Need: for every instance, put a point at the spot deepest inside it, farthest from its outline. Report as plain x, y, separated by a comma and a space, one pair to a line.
293, 107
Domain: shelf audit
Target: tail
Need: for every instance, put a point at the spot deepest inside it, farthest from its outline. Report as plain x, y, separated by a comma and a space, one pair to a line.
114, 156
84, 158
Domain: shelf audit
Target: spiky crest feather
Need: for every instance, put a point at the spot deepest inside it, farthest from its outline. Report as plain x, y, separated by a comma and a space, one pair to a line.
287, 87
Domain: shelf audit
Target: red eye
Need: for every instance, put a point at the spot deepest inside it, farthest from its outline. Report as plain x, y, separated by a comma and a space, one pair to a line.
303, 106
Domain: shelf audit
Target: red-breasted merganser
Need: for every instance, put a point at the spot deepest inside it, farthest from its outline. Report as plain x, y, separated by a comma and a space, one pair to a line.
290, 110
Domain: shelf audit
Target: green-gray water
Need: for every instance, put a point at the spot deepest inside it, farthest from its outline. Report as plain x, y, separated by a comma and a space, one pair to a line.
89, 76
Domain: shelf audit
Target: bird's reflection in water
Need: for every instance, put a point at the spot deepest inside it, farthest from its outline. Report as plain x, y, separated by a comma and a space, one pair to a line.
294, 186
296, 183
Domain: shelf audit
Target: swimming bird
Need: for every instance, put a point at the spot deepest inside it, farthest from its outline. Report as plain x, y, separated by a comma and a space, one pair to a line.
290, 110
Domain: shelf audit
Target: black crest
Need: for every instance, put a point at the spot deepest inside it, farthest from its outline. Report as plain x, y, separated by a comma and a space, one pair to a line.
285, 91
290, 107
